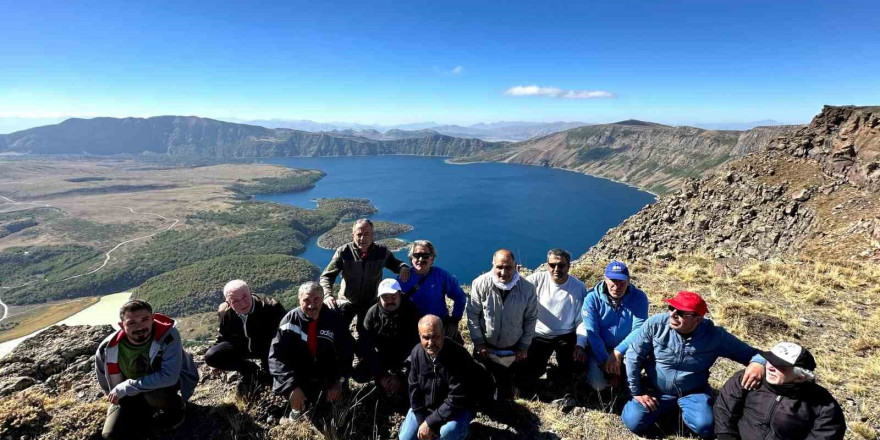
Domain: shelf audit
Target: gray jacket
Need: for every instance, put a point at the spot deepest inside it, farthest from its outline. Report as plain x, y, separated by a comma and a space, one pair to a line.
502, 324
360, 275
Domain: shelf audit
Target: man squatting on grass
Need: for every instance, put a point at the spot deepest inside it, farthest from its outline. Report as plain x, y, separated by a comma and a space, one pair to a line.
390, 334
311, 354
560, 297
613, 312
248, 322
141, 367
676, 350
502, 312
444, 386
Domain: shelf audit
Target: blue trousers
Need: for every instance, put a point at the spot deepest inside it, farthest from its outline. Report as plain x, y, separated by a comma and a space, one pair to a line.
696, 411
456, 429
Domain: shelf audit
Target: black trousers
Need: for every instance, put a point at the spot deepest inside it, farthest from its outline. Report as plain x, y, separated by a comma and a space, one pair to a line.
229, 357
133, 417
505, 377
544, 346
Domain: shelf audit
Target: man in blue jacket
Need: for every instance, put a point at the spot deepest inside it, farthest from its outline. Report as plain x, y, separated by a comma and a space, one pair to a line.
429, 286
612, 313
676, 349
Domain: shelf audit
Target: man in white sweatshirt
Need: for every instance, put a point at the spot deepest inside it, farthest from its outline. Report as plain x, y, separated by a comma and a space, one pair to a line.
560, 298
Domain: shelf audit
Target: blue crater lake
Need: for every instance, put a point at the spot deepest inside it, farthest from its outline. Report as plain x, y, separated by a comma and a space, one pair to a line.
469, 211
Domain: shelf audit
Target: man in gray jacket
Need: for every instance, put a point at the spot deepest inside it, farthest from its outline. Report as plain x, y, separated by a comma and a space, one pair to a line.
502, 311
141, 368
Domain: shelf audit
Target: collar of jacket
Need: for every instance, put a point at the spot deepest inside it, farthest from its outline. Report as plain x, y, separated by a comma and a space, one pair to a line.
161, 325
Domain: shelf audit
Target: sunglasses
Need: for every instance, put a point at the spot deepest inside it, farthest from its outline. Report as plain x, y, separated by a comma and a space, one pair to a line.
421, 256
681, 314
555, 265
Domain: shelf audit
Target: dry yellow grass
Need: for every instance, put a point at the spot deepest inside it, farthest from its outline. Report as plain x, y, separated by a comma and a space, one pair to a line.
45, 315
830, 307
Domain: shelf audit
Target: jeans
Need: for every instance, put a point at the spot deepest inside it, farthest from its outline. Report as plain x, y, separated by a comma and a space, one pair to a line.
696, 411
455, 429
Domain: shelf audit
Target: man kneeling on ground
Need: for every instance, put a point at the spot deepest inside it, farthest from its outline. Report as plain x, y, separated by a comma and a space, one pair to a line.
444, 386
787, 404
141, 368
311, 354
391, 333
248, 323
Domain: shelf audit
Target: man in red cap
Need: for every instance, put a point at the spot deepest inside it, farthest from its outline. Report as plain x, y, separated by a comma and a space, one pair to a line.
676, 350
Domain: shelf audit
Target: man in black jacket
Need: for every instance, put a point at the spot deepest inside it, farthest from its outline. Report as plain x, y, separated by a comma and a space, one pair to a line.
391, 333
248, 323
361, 263
788, 404
444, 382
311, 354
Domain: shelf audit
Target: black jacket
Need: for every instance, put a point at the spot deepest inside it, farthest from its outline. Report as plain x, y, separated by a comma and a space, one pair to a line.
439, 390
807, 411
390, 338
360, 276
262, 324
292, 364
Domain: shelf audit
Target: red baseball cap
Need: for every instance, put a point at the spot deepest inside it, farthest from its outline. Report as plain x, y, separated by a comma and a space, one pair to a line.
689, 302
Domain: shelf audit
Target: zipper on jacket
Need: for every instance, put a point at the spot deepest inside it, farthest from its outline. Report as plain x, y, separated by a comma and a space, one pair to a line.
770, 416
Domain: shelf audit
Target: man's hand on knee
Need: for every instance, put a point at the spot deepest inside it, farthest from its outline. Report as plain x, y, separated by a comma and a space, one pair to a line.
298, 399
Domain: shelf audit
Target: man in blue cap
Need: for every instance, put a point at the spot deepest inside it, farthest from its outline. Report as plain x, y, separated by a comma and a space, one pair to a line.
611, 313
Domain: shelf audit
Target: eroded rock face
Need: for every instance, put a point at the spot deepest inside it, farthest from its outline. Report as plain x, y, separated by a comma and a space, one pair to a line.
845, 140
731, 214
58, 359
764, 204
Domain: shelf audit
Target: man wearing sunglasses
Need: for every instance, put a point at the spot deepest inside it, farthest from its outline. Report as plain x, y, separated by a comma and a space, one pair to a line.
676, 350
560, 297
612, 313
429, 286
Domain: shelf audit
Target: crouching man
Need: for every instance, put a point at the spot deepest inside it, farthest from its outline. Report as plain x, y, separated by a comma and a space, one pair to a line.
248, 323
311, 354
676, 350
141, 368
444, 386
391, 333
787, 404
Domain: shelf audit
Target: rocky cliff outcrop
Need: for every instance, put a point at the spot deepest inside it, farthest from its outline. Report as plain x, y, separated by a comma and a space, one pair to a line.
844, 140
788, 199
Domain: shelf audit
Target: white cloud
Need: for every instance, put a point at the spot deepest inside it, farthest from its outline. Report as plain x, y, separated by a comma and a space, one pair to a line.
555, 92
457, 70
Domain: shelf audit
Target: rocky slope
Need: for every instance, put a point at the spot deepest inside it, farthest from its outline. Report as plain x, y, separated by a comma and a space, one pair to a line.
648, 155
812, 192
193, 136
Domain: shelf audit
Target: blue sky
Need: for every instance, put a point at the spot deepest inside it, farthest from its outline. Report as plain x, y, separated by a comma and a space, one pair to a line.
383, 62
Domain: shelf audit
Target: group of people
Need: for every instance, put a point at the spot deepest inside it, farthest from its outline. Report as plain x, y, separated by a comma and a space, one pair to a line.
409, 343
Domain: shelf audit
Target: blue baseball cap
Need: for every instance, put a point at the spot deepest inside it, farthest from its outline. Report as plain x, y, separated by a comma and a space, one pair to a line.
616, 270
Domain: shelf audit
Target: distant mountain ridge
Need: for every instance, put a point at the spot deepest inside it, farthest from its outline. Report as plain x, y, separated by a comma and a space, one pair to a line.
495, 131
652, 156
194, 136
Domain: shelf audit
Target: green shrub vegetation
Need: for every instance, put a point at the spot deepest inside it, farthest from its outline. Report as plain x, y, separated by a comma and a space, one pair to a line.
199, 287
296, 180
341, 233
19, 265
248, 228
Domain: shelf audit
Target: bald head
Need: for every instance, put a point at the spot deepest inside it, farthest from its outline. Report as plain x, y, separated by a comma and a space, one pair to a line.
238, 295
503, 265
431, 334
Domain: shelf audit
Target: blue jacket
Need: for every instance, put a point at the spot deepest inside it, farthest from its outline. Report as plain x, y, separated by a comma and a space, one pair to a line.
607, 328
430, 298
676, 366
